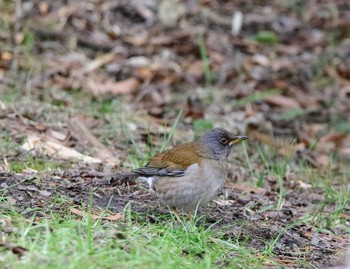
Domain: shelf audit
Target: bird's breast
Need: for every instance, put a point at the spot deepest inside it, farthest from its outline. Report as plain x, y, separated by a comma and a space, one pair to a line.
200, 184
206, 177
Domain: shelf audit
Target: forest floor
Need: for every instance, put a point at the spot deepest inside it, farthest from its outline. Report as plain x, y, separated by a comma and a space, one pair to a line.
92, 88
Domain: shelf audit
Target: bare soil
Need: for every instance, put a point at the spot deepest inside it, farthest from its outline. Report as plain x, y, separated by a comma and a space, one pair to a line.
245, 218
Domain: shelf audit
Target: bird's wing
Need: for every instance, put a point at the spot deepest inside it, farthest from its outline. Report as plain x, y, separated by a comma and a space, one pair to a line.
172, 162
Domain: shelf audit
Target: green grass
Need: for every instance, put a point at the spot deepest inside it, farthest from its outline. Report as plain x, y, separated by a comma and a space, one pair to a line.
38, 164
266, 37
57, 238
202, 125
64, 241
256, 97
205, 59
291, 114
209, 75
7, 144
61, 239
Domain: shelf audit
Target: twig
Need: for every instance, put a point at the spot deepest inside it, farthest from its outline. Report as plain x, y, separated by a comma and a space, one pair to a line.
81, 40
80, 131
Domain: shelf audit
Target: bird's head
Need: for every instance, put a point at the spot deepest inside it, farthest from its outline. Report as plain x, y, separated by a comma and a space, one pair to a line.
218, 142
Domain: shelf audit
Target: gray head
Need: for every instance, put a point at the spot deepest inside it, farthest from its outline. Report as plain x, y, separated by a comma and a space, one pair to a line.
219, 142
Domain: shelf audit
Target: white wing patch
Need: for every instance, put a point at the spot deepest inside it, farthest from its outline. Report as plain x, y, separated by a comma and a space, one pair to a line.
189, 170
149, 181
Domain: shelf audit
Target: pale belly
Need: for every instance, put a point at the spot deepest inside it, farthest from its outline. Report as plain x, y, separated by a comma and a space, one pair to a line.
194, 189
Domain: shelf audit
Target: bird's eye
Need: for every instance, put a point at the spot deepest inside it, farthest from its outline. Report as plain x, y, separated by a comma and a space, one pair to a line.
223, 140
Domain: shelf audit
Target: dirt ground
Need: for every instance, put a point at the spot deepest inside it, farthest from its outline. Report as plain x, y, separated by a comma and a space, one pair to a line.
241, 212
106, 79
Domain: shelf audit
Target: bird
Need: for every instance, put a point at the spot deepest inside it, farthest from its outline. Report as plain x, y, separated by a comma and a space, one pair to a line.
192, 174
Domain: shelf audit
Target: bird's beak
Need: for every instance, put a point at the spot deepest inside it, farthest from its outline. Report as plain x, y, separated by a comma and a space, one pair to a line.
238, 139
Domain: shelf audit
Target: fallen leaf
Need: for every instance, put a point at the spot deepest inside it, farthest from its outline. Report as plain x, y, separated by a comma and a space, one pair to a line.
196, 69
45, 193
283, 101
260, 59
18, 250
336, 138
136, 40
6, 56
345, 152
223, 202
27, 187
127, 86
7, 226
40, 145
43, 7
57, 135
169, 12
113, 217
83, 214
80, 213
323, 159
144, 11
299, 184
82, 133
244, 188
100, 61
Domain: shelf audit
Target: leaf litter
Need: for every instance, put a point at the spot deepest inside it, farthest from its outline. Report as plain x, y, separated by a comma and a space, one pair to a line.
277, 74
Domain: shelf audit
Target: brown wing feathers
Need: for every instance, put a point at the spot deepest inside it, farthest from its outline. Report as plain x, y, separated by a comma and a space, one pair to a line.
172, 162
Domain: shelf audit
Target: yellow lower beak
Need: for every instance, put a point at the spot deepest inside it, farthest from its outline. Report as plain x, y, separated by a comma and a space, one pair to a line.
238, 139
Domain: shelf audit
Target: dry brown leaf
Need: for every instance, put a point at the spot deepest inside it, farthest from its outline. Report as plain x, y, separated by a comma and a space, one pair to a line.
170, 11
345, 152
244, 188
127, 86
80, 213
41, 145
313, 129
83, 214
336, 138
223, 202
260, 59
19, 38
283, 101
325, 147
56, 135
144, 73
83, 134
6, 56
194, 108
18, 250
299, 184
100, 61
136, 40
196, 69
43, 8
144, 11
7, 226
113, 217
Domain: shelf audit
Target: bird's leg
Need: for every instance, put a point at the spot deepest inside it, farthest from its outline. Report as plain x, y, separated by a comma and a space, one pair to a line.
189, 216
174, 210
